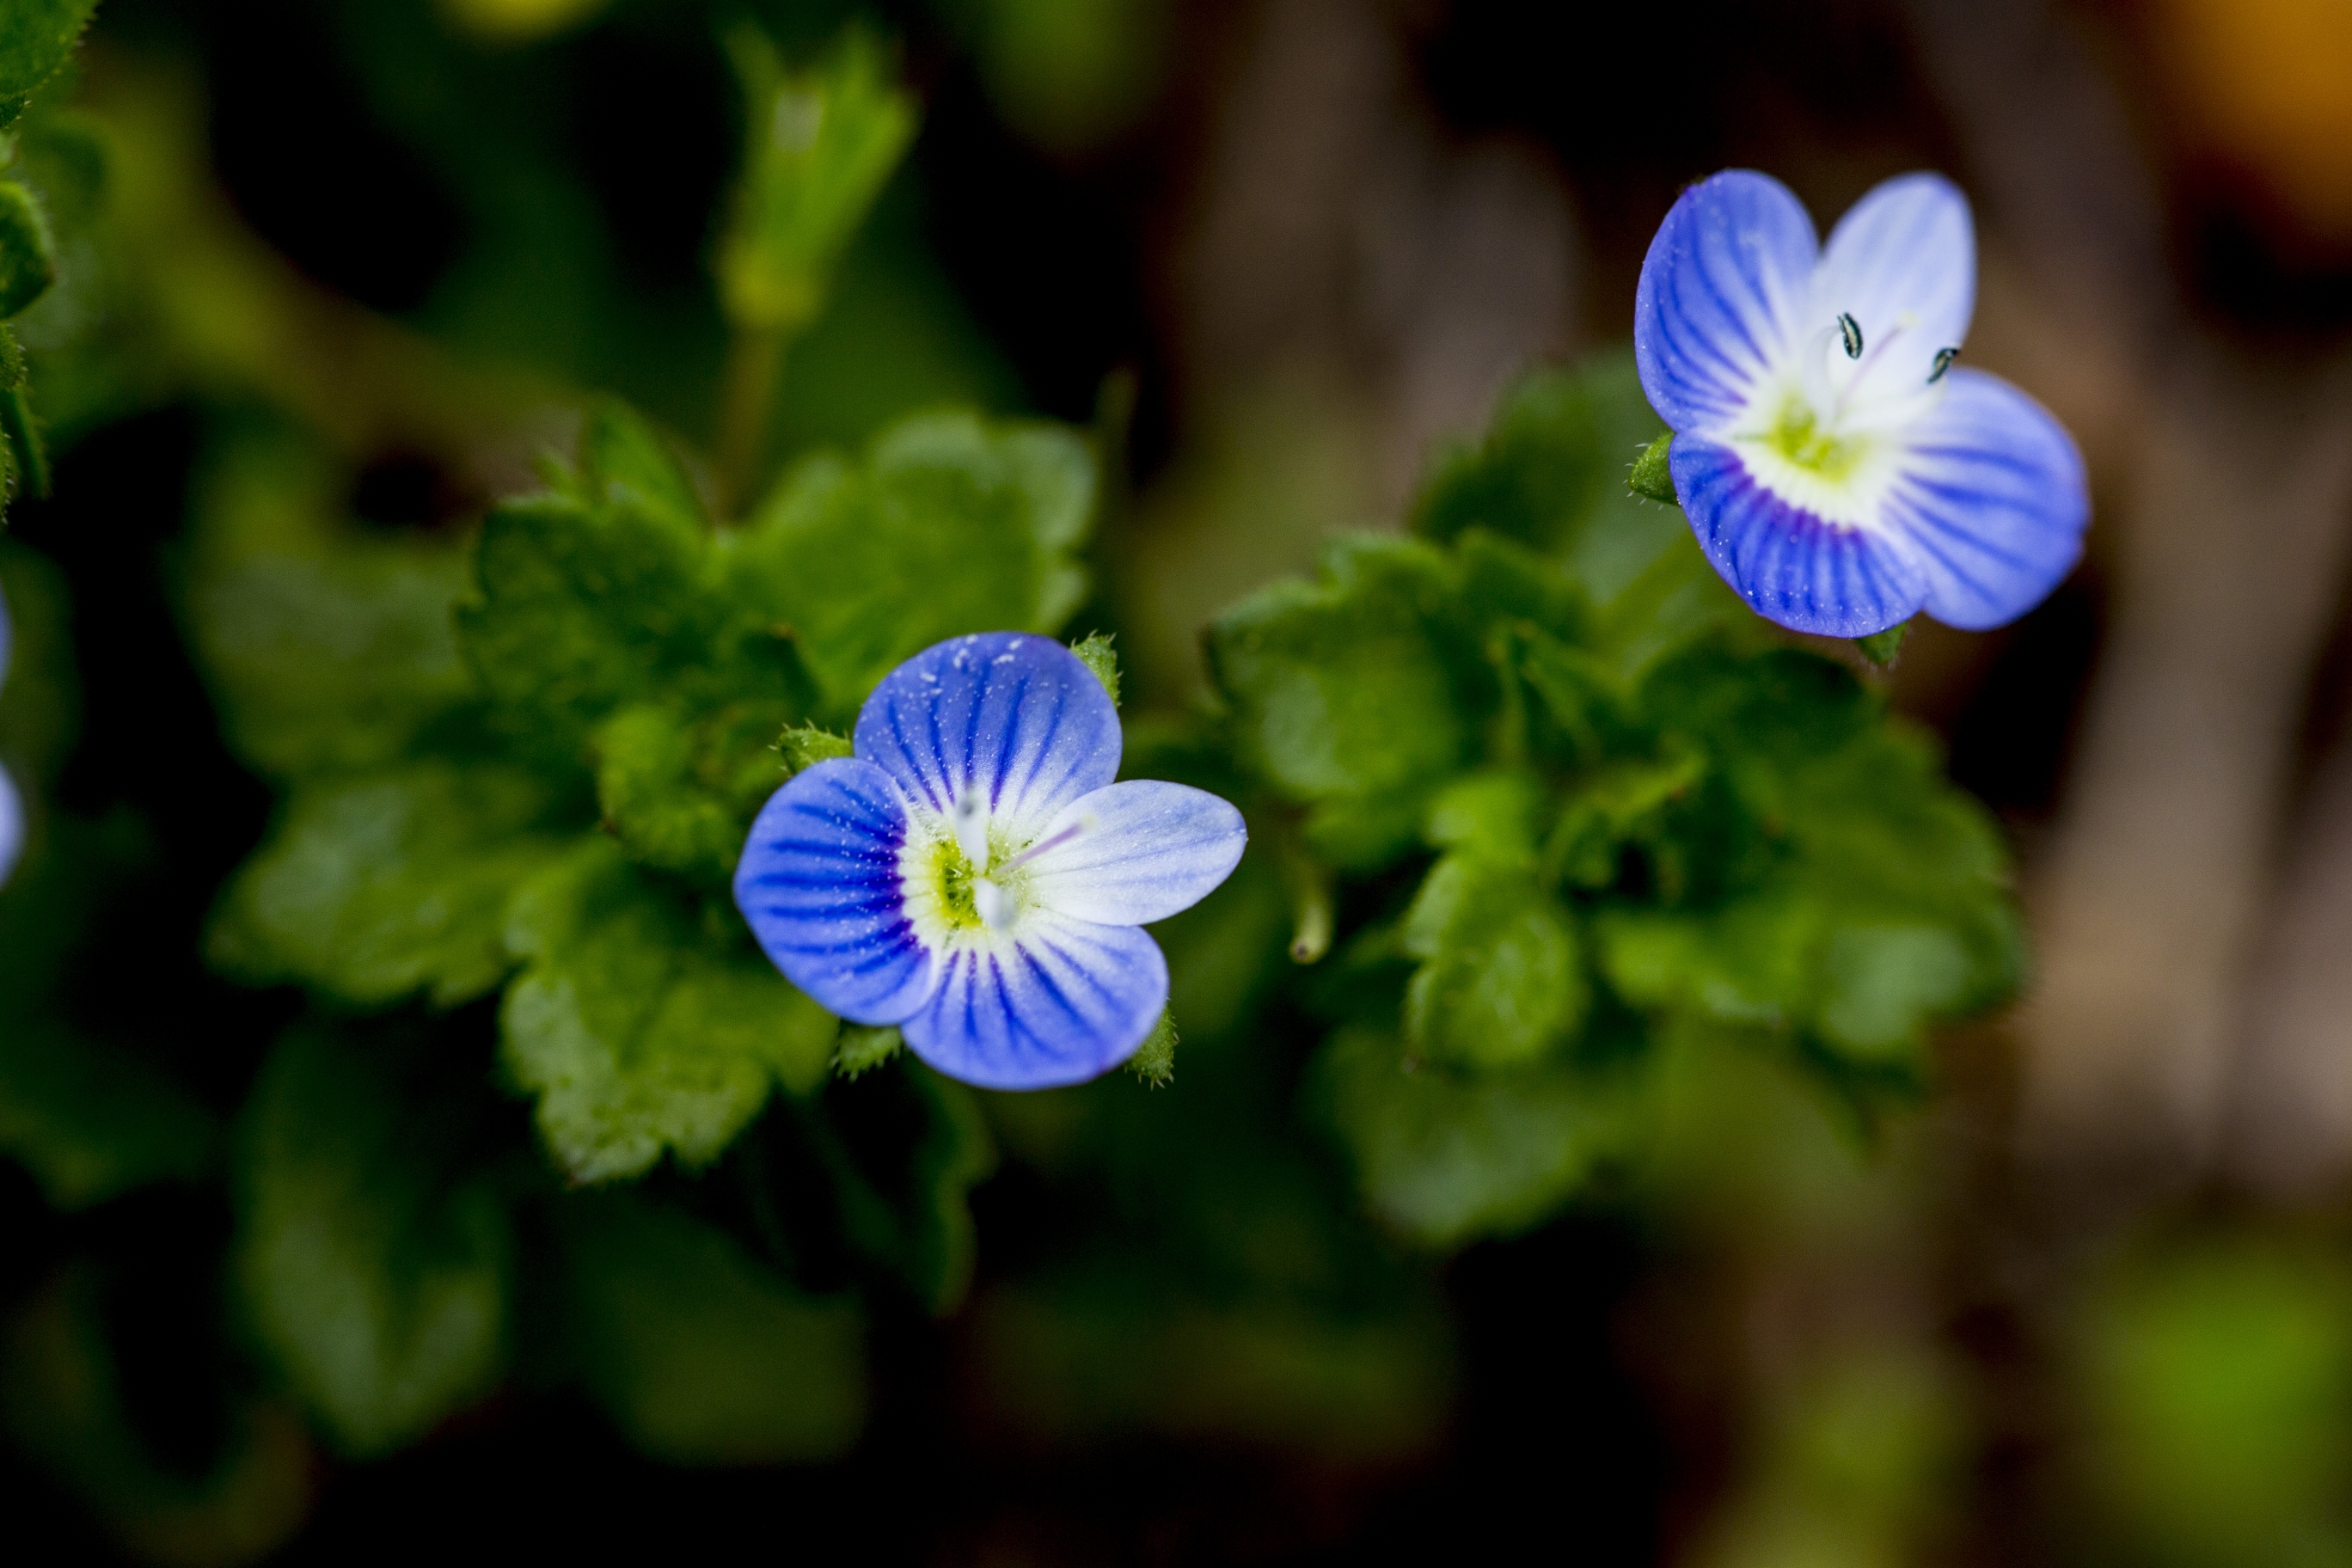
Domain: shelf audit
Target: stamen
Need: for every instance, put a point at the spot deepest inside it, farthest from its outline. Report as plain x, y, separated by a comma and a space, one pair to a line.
1944, 358
970, 819
992, 904
1851, 331
1072, 831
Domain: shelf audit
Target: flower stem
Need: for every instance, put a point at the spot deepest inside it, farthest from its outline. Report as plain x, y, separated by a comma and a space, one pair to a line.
755, 360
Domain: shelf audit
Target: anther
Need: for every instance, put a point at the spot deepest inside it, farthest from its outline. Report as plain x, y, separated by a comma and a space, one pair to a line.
1851, 331
992, 904
1944, 358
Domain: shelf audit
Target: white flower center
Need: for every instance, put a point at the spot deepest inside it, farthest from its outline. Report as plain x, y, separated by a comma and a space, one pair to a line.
1826, 432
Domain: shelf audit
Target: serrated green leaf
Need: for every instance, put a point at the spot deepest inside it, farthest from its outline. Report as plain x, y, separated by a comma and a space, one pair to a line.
951, 525
582, 610
820, 144
1345, 695
625, 463
682, 796
1550, 473
1444, 1159
378, 1283
325, 649
641, 1028
90, 1121
381, 888
1886, 905
1502, 979
700, 1354
28, 261
37, 38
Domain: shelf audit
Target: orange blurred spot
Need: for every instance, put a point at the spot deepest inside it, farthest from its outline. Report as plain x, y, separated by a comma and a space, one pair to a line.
2264, 87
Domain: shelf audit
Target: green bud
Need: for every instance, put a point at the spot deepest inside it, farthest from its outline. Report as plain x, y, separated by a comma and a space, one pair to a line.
1094, 652
1650, 478
1880, 647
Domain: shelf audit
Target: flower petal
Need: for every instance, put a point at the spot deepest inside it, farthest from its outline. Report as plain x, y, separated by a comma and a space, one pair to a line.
11, 827
1991, 497
1058, 1001
820, 884
1017, 716
1146, 849
1903, 264
1719, 307
1789, 565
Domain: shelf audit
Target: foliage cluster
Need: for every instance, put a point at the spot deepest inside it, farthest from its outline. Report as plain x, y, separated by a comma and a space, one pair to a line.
1534, 799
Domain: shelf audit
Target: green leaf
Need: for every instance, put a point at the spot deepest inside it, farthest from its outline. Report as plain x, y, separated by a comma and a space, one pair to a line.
952, 524
378, 889
325, 648
700, 1355
1610, 806
37, 38
28, 262
642, 1028
376, 1275
91, 1120
1444, 1159
625, 463
1882, 901
820, 146
1552, 474
1343, 693
681, 796
583, 609
1502, 979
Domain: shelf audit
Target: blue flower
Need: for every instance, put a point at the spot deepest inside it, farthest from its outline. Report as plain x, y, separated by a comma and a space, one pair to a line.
1839, 470
972, 874
12, 811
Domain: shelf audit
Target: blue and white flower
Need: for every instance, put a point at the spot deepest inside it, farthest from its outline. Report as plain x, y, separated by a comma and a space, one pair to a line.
972, 875
1839, 470
12, 810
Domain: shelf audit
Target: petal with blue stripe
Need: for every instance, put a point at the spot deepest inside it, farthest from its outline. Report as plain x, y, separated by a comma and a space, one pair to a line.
1991, 497
1056, 1001
1136, 852
1792, 567
820, 883
12, 826
1016, 716
1720, 307
1903, 264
